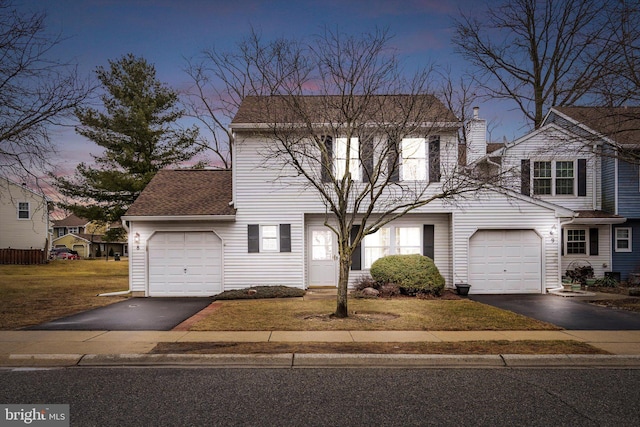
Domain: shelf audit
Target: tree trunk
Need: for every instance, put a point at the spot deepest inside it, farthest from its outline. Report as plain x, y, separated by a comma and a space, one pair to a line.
343, 282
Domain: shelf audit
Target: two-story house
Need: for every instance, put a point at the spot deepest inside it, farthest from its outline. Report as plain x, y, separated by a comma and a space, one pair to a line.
200, 232
569, 161
614, 134
24, 217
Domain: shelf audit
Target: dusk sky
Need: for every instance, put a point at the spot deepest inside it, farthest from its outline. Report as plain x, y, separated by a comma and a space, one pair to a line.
165, 32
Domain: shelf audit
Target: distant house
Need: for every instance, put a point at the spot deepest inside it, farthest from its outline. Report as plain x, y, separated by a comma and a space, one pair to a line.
85, 237
24, 217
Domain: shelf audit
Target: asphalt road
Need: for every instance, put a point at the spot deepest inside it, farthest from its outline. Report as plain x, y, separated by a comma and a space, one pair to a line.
322, 397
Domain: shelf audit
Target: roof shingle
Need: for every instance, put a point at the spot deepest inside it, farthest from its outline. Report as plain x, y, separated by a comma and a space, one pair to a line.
620, 124
185, 192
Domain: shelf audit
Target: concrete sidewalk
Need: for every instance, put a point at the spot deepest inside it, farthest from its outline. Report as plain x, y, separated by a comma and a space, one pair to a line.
99, 348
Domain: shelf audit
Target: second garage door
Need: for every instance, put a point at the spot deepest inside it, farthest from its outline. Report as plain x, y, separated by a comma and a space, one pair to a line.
185, 264
505, 262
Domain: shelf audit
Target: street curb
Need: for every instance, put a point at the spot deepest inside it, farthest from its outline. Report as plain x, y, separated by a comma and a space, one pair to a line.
395, 360
301, 360
209, 360
40, 360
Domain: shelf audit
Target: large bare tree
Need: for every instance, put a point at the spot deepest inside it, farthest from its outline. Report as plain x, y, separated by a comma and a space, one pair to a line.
544, 53
37, 92
345, 142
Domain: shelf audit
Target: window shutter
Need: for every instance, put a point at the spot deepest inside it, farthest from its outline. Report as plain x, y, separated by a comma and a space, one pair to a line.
393, 160
525, 177
253, 231
434, 159
356, 255
593, 241
366, 157
562, 242
428, 241
582, 177
285, 237
327, 162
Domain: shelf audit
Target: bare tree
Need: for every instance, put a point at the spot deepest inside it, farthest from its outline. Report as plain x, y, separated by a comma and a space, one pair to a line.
346, 142
543, 53
36, 92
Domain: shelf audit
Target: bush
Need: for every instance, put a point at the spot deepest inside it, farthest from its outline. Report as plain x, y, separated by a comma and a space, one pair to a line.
389, 290
364, 282
261, 292
606, 282
412, 273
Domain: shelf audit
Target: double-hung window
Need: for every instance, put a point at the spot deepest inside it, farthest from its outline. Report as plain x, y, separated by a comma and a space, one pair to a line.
414, 159
623, 239
576, 242
376, 245
268, 238
391, 240
407, 241
347, 151
553, 178
23, 210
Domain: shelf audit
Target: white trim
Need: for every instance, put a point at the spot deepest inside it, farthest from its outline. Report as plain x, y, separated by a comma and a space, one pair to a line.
629, 238
28, 210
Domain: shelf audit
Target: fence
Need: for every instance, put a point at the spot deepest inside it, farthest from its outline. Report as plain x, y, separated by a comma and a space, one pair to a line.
22, 256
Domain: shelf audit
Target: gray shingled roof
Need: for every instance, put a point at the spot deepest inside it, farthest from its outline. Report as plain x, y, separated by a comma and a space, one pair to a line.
185, 192
621, 124
71, 221
325, 109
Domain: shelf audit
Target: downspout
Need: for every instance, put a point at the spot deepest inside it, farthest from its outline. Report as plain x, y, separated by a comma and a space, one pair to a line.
562, 224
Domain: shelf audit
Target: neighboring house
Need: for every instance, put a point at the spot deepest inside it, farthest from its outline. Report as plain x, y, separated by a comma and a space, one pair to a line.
614, 134
200, 232
24, 217
85, 237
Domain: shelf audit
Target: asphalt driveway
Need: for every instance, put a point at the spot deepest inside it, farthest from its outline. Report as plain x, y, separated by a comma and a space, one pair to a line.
568, 312
133, 314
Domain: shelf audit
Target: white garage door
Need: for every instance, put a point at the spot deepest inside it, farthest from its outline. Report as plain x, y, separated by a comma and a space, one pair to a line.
505, 262
185, 264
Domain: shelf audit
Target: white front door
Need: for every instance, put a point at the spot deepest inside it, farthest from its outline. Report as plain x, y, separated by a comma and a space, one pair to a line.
323, 257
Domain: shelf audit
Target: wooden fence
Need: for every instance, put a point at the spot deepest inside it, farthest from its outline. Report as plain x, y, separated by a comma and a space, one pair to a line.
22, 256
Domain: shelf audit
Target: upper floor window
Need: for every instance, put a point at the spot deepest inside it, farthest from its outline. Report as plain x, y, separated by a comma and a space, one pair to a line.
74, 230
61, 232
623, 239
414, 159
23, 210
553, 178
344, 151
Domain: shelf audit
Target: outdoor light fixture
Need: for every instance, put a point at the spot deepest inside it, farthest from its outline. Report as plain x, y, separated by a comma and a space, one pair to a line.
553, 231
136, 240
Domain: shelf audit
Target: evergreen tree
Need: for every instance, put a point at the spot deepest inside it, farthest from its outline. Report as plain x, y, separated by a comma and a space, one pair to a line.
138, 131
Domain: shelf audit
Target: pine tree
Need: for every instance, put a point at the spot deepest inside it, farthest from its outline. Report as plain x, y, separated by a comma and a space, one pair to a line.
137, 129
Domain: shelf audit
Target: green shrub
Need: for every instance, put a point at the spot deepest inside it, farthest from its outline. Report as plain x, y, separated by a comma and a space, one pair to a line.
412, 273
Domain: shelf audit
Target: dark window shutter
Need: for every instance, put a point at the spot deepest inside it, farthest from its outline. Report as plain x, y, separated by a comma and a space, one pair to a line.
393, 160
327, 161
582, 177
356, 255
525, 177
428, 241
366, 157
593, 241
562, 242
434, 159
285, 237
253, 231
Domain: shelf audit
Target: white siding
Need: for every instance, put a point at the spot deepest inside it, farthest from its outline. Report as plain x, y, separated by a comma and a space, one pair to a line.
497, 212
552, 144
601, 262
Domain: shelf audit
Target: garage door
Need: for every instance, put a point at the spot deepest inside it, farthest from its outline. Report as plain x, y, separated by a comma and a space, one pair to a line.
185, 264
505, 262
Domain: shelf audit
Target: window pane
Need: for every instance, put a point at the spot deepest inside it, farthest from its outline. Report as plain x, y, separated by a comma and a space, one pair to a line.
270, 244
269, 231
23, 210
542, 178
576, 242
269, 237
564, 177
376, 246
341, 158
542, 169
321, 245
414, 164
622, 233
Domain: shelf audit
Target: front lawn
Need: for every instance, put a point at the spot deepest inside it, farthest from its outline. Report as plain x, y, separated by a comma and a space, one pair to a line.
33, 294
365, 315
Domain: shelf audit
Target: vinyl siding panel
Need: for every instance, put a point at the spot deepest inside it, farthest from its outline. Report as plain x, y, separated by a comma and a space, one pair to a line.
601, 262
17, 233
628, 190
496, 212
552, 144
627, 262
608, 181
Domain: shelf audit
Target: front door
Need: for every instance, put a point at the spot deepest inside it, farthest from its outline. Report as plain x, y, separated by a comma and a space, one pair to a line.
323, 257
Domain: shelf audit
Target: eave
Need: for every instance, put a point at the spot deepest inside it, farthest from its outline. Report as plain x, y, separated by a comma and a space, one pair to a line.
157, 218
